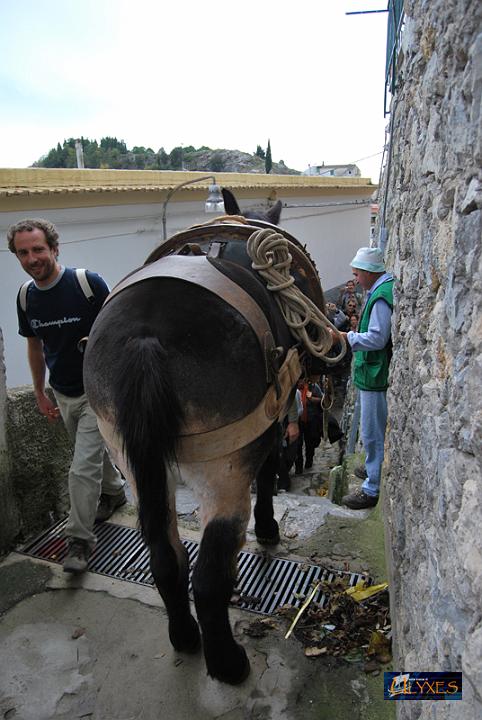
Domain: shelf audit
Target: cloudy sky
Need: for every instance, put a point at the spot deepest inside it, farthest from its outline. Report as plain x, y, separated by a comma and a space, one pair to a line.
195, 72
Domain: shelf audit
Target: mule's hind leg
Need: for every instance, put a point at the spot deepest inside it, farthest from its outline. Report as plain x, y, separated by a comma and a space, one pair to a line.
170, 569
168, 557
213, 583
266, 528
223, 488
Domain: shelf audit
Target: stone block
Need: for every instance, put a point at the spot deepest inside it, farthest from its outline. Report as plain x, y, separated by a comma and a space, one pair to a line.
9, 518
338, 484
40, 455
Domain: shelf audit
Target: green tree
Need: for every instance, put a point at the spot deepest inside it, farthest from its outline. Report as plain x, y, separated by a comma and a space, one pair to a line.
110, 143
217, 163
113, 158
260, 152
163, 159
175, 158
268, 163
52, 159
93, 156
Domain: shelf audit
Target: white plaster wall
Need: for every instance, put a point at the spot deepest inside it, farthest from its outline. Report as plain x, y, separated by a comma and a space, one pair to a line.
116, 239
332, 235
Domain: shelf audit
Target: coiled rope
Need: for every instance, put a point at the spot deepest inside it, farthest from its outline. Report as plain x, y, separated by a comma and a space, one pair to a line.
271, 258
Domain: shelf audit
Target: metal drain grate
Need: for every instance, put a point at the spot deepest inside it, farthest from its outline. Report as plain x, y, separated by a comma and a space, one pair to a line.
264, 583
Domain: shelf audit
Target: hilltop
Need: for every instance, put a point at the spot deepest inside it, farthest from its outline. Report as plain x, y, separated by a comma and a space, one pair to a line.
111, 153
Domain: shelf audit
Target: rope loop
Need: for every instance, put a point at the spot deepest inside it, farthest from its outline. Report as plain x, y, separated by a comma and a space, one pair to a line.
271, 258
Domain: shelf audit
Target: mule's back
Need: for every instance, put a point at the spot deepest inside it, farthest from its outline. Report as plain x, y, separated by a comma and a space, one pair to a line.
226, 240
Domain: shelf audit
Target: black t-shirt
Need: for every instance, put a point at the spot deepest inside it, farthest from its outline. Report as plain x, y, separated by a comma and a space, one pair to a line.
60, 315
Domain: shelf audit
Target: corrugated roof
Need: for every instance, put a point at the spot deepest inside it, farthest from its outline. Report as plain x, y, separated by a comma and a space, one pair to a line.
46, 181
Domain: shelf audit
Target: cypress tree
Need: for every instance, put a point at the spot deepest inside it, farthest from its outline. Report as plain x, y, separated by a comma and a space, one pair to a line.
268, 164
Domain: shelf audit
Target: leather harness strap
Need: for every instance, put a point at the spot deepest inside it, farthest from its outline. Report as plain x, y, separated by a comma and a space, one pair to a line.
202, 447
199, 271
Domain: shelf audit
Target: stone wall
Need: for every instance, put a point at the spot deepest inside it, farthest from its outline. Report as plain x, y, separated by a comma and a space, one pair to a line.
433, 498
35, 458
9, 517
40, 455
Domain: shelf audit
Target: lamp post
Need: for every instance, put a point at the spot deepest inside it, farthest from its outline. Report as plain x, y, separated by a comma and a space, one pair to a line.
214, 202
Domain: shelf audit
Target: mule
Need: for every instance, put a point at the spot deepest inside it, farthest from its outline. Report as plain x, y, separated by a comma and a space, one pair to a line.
176, 374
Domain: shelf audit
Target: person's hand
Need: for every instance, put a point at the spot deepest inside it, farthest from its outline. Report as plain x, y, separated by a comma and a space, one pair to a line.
47, 408
335, 336
292, 432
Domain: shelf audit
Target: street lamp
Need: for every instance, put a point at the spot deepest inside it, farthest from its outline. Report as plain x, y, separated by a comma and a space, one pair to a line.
214, 202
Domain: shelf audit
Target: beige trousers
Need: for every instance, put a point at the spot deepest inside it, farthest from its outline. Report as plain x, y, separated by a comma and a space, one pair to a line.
91, 471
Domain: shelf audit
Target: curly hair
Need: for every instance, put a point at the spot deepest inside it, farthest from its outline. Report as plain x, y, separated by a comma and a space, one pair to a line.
48, 228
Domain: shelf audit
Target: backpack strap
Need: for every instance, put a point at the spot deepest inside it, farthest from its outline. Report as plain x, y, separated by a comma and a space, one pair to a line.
81, 275
84, 284
22, 294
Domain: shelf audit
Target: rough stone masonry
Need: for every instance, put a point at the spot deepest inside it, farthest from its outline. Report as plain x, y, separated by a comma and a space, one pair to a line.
433, 491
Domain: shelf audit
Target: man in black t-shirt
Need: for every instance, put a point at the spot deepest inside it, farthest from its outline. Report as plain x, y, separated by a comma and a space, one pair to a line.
54, 313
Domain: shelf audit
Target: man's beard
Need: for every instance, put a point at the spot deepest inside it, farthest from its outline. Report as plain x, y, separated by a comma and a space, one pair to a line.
43, 271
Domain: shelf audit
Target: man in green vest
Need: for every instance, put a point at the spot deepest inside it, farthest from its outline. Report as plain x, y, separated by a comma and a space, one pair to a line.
371, 347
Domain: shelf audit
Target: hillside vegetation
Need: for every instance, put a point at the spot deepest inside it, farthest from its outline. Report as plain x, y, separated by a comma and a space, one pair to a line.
111, 153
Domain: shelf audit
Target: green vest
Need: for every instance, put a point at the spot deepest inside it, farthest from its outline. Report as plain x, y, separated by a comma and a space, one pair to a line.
370, 367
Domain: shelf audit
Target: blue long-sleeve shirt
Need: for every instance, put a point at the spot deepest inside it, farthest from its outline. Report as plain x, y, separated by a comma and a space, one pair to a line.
379, 325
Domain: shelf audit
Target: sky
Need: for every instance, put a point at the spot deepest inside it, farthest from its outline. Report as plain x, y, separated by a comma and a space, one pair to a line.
192, 72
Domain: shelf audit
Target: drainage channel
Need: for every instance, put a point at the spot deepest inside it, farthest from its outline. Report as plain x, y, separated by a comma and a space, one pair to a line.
264, 583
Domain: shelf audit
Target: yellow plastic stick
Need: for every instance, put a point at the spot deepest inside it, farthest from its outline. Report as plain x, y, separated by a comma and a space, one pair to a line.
302, 609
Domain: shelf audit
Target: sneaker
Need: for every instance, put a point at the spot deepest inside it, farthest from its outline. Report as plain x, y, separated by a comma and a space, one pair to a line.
108, 504
77, 557
359, 500
361, 472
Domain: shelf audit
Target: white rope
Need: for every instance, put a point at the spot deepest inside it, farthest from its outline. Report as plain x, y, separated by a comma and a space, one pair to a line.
271, 258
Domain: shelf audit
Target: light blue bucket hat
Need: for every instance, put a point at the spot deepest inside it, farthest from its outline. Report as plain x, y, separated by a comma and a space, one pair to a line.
370, 259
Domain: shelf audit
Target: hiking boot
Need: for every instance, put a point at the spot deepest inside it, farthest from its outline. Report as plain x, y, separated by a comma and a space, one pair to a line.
359, 500
108, 504
361, 472
77, 557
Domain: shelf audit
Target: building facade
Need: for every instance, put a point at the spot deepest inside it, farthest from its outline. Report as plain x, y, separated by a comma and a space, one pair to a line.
110, 220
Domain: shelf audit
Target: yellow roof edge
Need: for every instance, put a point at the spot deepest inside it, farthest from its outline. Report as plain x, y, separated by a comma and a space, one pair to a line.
25, 180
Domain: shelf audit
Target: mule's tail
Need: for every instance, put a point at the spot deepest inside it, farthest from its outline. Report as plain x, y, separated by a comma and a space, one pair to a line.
149, 417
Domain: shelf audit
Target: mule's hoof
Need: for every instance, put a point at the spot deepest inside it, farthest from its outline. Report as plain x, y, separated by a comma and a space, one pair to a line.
187, 641
267, 535
233, 673
268, 540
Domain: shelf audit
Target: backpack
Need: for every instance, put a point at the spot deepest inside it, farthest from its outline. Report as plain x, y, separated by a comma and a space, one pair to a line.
82, 280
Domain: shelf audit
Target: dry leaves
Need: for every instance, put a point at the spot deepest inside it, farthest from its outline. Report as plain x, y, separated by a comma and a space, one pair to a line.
259, 628
343, 627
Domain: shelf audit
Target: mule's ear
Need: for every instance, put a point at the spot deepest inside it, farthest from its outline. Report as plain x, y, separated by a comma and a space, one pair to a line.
274, 213
231, 206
